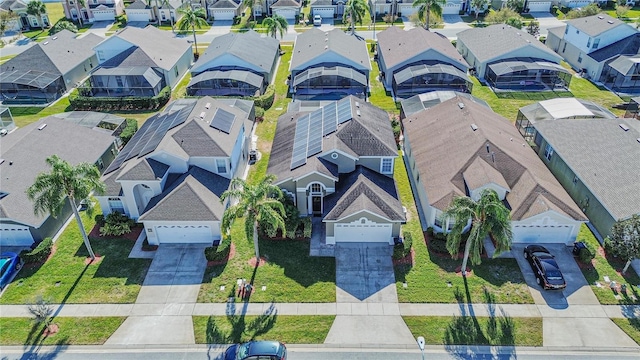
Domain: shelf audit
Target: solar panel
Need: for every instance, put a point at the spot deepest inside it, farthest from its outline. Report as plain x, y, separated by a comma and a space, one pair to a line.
223, 120
330, 123
314, 143
344, 111
299, 155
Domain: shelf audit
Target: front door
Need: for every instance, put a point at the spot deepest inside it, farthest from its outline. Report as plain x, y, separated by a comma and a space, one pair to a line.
316, 205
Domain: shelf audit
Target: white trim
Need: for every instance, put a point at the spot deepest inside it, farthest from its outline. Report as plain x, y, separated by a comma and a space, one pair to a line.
363, 211
328, 152
312, 173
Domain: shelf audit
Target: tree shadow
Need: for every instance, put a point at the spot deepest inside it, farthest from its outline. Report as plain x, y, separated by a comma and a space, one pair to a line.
116, 262
293, 257
32, 350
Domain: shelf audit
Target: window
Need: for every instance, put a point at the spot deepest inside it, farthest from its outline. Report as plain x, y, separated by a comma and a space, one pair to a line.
316, 188
438, 222
115, 204
596, 42
589, 42
221, 164
100, 55
580, 58
386, 166
564, 47
100, 164
575, 179
548, 152
176, 70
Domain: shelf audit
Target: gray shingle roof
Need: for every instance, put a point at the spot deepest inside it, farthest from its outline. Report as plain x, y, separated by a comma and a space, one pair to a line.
444, 146
596, 24
13, 5
627, 46
137, 5
132, 57
143, 169
285, 3
396, 46
311, 44
224, 4
159, 45
321, 3
26, 150
603, 156
249, 47
496, 40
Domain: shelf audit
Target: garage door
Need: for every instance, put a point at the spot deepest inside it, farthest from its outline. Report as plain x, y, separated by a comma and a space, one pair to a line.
451, 9
539, 6
103, 15
15, 235
407, 9
168, 234
288, 14
223, 14
362, 231
137, 15
532, 234
326, 13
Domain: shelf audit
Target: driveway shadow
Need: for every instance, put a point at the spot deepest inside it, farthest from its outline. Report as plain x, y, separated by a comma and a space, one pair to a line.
364, 269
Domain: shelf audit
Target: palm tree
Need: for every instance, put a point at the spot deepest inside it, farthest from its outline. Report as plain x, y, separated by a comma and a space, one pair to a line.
354, 10
65, 180
488, 216
426, 7
37, 9
479, 5
192, 19
275, 24
257, 202
249, 5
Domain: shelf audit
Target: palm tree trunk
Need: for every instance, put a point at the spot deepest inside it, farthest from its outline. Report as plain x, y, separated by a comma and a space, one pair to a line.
195, 41
82, 231
467, 249
426, 26
626, 267
157, 13
79, 14
353, 24
255, 241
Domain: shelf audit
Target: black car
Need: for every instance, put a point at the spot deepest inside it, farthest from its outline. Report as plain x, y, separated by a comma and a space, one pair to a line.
254, 350
544, 267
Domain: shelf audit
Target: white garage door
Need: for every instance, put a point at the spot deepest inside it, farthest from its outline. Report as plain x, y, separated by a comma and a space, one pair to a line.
15, 235
288, 14
103, 15
542, 234
539, 6
407, 9
222, 14
167, 234
326, 13
578, 3
137, 15
450, 9
362, 231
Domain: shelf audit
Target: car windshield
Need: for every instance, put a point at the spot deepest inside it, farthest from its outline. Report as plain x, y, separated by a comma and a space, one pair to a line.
243, 351
4, 265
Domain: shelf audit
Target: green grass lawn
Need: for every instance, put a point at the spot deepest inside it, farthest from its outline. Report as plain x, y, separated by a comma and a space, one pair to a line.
180, 90
633, 13
379, 96
55, 12
458, 330
630, 326
286, 328
605, 266
66, 278
72, 331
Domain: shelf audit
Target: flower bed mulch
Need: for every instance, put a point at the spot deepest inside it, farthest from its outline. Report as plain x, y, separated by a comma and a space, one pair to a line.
254, 263
231, 255
89, 261
133, 235
54, 247
410, 259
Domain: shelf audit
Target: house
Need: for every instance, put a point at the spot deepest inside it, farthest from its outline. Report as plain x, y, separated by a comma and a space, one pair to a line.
224, 9
329, 66
47, 70
235, 64
420, 102
6, 121
172, 172
418, 61
22, 157
544, 6
139, 62
602, 48
460, 147
337, 162
598, 162
140, 11
510, 58
405, 8
23, 21
556, 109
574, 3
288, 9
93, 10
327, 9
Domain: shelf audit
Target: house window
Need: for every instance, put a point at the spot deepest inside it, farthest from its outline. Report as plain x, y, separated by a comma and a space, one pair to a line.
566, 30
548, 152
316, 188
100, 164
575, 179
115, 204
589, 42
100, 55
564, 47
580, 58
596, 42
176, 71
438, 222
386, 166
221, 164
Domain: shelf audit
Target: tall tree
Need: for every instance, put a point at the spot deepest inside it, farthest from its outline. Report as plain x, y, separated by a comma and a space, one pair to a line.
355, 11
76, 5
190, 20
37, 9
426, 7
256, 203
6, 18
624, 241
249, 4
275, 24
479, 6
65, 180
488, 216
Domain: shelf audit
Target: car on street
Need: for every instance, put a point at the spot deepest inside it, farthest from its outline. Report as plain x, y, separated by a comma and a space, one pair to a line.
254, 350
317, 20
10, 263
545, 268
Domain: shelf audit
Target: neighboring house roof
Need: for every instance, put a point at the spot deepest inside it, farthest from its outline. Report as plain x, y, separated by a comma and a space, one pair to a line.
25, 150
224, 4
447, 151
13, 5
173, 4
321, 3
424, 101
286, 3
496, 40
194, 196
603, 156
564, 108
58, 55
132, 57
138, 5
596, 24
557, 31
313, 43
161, 46
250, 47
364, 190
143, 169
627, 46
396, 46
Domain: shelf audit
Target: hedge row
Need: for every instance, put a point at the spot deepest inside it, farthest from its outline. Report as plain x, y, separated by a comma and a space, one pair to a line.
79, 102
402, 250
265, 100
218, 253
39, 254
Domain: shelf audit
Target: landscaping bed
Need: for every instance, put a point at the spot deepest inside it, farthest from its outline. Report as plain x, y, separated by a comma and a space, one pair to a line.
71, 331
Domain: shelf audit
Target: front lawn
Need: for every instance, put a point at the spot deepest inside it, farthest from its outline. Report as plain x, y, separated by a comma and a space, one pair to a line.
288, 329
603, 266
630, 326
72, 331
65, 278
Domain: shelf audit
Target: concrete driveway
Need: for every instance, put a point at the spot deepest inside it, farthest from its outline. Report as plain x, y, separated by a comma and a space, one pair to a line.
364, 272
546, 21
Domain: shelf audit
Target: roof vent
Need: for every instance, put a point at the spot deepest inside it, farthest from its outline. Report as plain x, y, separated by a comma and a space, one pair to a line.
326, 47
461, 105
357, 104
42, 126
208, 105
202, 115
1, 161
474, 127
600, 17
624, 127
638, 140
45, 43
610, 21
358, 112
54, 38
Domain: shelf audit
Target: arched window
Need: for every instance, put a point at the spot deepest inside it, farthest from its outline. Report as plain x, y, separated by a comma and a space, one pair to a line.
316, 188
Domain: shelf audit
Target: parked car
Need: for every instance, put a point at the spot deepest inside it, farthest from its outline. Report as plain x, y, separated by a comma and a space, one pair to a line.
544, 267
10, 263
317, 20
272, 350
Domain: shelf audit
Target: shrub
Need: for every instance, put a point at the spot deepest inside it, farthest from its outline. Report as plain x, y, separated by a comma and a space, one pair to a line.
265, 101
402, 250
217, 253
259, 113
99, 219
128, 131
39, 254
116, 224
63, 25
80, 101
307, 226
586, 255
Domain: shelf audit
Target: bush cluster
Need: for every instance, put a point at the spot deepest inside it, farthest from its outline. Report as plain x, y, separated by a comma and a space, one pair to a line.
129, 130
116, 224
79, 102
217, 253
39, 254
265, 100
402, 250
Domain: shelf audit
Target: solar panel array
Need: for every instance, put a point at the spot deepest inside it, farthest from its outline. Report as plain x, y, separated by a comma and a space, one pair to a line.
312, 127
222, 120
147, 138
